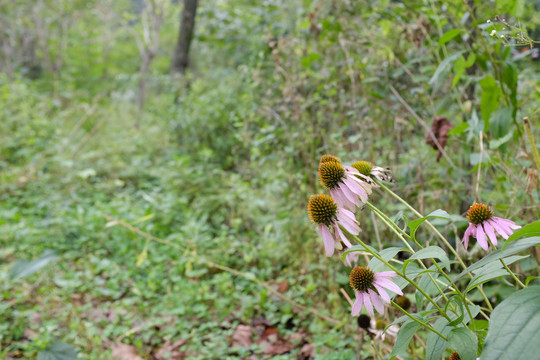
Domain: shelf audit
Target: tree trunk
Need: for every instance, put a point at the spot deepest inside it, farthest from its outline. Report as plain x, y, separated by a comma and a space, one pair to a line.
180, 57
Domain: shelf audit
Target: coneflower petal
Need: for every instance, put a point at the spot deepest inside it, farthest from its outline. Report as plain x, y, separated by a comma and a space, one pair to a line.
357, 306
489, 232
367, 304
481, 237
376, 301
328, 240
382, 292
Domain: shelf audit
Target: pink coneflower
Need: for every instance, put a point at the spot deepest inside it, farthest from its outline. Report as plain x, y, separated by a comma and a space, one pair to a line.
344, 182
482, 223
324, 212
367, 168
369, 289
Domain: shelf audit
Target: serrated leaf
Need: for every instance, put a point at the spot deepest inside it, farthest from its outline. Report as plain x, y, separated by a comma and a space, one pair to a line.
465, 342
514, 327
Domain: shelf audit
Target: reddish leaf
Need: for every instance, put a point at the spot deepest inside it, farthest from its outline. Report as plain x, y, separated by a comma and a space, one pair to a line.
122, 351
439, 128
242, 336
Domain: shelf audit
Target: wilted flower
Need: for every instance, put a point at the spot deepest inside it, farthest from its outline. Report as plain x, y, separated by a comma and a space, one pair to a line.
324, 212
351, 258
367, 168
369, 289
482, 223
377, 328
344, 183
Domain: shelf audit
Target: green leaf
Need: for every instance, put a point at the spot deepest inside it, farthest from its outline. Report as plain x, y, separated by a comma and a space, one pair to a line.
387, 254
481, 279
449, 35
496, 143
23, 268
465, 342
459, 318
514, 248
489, 101
58, 351
404, 336
435, 344
432, 252
514, 327
357, 248
413, 225
459, 129
443, 67
528, 230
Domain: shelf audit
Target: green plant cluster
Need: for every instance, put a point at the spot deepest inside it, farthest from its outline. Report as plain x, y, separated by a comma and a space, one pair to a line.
219, 161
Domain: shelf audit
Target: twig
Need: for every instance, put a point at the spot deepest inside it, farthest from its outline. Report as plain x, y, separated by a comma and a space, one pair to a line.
479, 167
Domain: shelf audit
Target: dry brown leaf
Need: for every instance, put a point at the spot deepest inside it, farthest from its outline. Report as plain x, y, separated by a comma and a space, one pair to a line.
306, 353
122, 351
242, 336
283, 286
532, 180
171, 351
439, 128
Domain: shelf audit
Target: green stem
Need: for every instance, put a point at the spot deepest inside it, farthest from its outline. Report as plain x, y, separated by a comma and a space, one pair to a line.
441, 311
512, 274
443, 239
397, 230
419, 321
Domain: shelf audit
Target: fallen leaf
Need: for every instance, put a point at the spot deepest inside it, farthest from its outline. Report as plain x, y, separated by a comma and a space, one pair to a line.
283, 286
242, 336
122, 351
532, 180
439, 128
171, 351
306, 353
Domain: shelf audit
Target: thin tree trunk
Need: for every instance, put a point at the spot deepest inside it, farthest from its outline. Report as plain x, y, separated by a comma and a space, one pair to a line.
180, 57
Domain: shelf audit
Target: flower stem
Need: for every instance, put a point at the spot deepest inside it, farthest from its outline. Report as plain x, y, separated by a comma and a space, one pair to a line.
397, 230
443, 239
426, 325
512, 274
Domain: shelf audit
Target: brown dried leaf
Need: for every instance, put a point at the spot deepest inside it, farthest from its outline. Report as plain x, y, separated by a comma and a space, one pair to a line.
532, 180
122, 351
283, 286
242, 336
439, 128
306, 353
171, 351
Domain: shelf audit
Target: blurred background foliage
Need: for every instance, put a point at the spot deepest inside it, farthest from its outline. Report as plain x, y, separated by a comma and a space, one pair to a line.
223, 159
